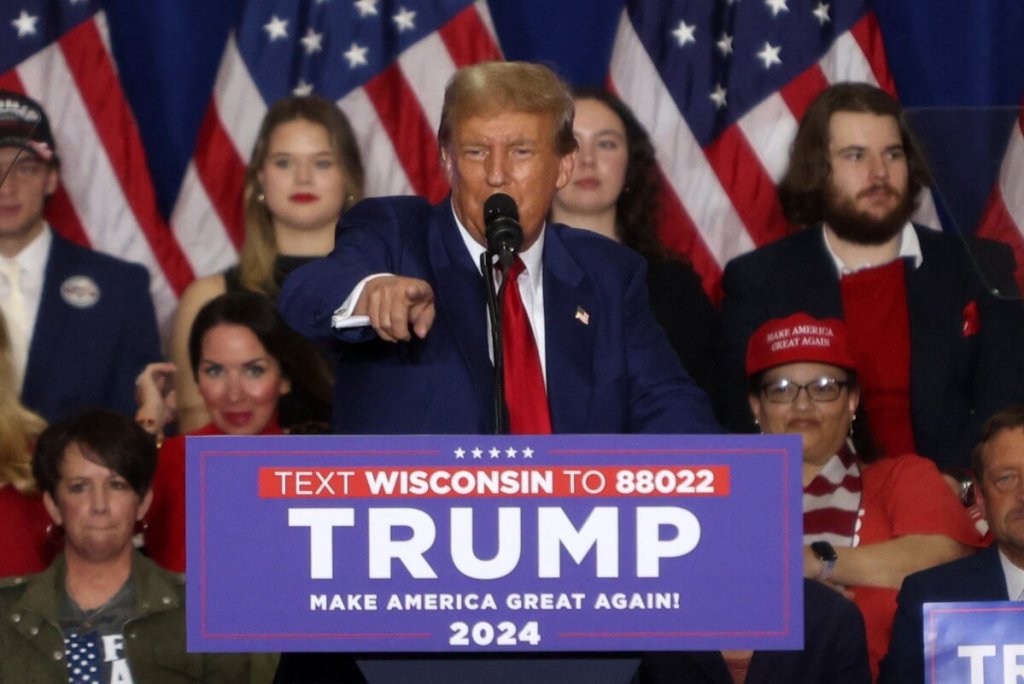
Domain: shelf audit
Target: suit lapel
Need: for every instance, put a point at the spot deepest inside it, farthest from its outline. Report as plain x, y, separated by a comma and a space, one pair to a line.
817, 274
991, 581
47, 323
927, 295
460, 298
571, 309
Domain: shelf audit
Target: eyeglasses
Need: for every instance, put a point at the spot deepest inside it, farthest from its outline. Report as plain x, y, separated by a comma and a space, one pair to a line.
786, 391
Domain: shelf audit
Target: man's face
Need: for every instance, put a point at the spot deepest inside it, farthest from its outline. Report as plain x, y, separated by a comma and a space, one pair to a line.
512, 153
22, 197
1002, 490
866, 200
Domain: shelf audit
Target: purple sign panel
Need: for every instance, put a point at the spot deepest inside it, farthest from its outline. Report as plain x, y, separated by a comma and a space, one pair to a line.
494, 543
980, 643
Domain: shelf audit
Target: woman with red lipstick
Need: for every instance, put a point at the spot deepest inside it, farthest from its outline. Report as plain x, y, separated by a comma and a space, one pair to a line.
614, 191
867, 523
244, 359
304, 172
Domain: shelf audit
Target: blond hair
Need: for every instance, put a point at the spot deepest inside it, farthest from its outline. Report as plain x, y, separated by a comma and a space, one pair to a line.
490, 88
19, 427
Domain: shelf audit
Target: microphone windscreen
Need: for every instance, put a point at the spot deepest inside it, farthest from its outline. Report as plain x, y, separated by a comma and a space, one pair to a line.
500, 205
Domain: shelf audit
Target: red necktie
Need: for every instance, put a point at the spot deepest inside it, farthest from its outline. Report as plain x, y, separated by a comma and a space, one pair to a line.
525, 396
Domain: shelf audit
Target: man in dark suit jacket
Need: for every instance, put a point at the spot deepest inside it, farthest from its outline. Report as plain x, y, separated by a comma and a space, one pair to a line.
424, 366
854, 175
835, 651
998, 461
81, 324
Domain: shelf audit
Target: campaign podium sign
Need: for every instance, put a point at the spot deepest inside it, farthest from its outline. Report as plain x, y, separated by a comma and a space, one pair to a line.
974, 642
510, 543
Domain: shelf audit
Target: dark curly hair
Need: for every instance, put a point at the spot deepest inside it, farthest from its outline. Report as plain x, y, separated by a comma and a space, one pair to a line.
802, 191
637, 207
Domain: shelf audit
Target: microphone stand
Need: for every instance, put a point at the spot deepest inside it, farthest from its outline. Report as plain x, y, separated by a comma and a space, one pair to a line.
494, 306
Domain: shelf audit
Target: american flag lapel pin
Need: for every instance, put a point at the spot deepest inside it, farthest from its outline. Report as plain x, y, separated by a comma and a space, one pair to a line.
582, 316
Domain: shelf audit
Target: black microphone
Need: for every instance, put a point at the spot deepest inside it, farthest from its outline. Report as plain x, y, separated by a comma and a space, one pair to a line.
503, 232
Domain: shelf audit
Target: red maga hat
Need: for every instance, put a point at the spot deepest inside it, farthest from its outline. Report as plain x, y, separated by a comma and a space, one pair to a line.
797, 338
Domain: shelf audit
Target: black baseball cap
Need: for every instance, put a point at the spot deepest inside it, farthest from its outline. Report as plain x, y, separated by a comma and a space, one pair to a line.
23, 124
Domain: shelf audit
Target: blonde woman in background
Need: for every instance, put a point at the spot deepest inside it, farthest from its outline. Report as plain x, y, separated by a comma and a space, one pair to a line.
23, 520
304, 173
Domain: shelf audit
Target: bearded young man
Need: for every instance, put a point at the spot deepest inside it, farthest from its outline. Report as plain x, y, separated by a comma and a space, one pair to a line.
936, 352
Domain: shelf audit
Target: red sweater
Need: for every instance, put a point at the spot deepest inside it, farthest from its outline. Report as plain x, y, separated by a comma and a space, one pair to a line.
165, 534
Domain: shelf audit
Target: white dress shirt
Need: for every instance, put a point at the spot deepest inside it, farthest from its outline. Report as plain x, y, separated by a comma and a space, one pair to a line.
910, 247
31, 261
531, 289
1014, 578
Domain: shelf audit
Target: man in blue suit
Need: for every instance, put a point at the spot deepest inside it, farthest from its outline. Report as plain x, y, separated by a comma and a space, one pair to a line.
995, 574
412, 269
81, 324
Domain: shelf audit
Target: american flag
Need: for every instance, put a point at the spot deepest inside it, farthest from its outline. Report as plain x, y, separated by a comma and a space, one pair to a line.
1003, 218
385, 64
721, 87
58, 52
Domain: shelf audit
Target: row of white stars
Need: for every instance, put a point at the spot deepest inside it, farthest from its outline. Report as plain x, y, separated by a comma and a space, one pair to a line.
277, 29
493, 452
769, 54
26, 23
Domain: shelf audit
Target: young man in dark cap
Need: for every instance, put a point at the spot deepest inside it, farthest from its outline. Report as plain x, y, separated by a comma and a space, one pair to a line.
81, 324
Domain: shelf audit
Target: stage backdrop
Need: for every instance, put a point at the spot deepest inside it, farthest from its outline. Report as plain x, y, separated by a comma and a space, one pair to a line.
720, 84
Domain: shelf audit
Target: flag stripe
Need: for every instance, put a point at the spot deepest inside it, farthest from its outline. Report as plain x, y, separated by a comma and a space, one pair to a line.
403, 119
470, 38
679, 234
749, 187
222, 174
92, 70
1003, 218
869, 36
384, 174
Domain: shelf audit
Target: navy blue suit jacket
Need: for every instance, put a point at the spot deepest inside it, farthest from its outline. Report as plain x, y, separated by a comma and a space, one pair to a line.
956, 381
835, 651
610, 371
89, 354
976, 578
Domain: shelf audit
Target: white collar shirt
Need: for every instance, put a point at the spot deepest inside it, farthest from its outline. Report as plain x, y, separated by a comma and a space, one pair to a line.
910, 248
531, 285
31, 261
1014, 578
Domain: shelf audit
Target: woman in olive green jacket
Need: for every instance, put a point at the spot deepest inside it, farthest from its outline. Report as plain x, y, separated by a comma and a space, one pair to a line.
101, 612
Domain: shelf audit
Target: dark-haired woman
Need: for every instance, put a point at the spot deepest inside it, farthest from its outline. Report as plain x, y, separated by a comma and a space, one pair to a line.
244, 359
101, 612
614, 191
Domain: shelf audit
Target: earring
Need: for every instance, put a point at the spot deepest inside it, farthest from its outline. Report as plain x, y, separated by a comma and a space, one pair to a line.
55, 534
261, 198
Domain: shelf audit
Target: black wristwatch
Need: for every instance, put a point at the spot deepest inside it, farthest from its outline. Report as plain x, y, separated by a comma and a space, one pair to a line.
827, 555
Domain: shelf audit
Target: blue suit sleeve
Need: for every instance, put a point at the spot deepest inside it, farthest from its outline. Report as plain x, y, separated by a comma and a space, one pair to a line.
905, 660
367, 243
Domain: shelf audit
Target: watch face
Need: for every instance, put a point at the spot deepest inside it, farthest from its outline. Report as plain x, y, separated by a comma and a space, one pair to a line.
824, 551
